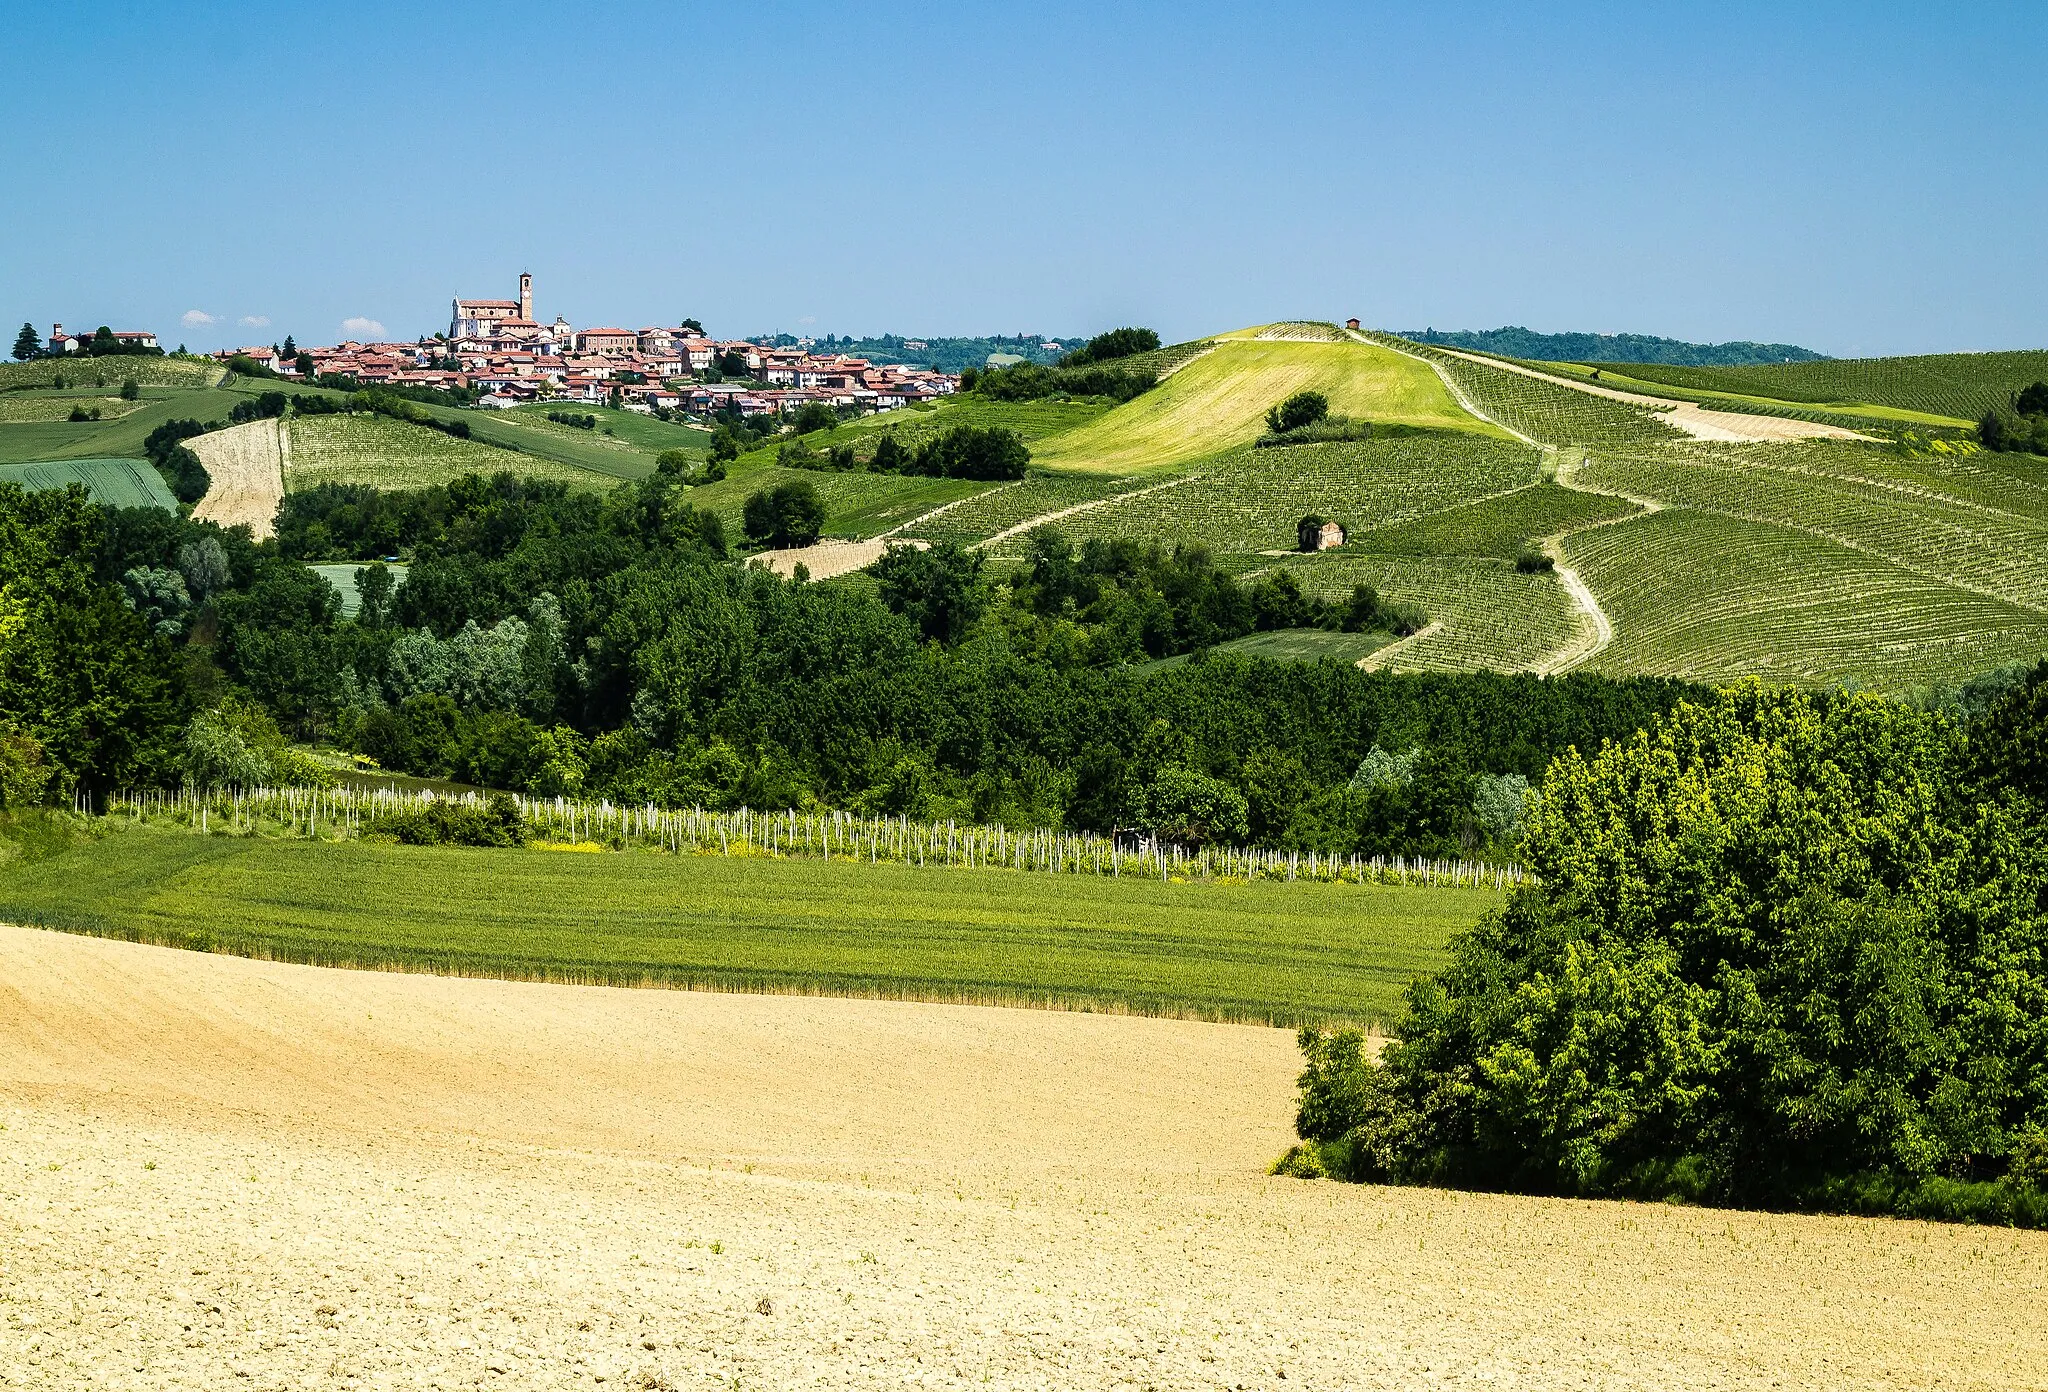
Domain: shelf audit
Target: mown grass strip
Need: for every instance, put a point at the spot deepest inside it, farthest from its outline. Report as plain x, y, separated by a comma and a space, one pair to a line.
1281, 953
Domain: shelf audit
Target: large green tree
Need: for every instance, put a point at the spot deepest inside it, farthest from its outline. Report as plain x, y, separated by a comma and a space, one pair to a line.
80, 671
26, 344
1780, 948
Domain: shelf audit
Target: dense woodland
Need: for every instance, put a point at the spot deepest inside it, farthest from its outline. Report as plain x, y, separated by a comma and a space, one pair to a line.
555, 642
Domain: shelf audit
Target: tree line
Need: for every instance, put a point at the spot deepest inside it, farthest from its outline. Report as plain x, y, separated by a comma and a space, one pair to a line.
557, 642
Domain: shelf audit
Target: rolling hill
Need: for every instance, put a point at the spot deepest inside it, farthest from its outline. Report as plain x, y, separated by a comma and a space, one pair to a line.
1219, 401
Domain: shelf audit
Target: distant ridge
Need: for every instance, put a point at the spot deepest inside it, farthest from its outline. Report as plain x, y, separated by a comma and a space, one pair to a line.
1630, 348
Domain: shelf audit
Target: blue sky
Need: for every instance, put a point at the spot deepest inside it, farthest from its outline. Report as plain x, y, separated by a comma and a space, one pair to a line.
1859, 179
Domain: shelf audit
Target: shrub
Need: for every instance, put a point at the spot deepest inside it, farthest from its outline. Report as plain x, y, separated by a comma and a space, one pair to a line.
130, 389
26, 774
1534, 562
1304, 408
444, 822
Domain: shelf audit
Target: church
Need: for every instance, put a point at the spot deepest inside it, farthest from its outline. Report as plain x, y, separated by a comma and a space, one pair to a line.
499, 318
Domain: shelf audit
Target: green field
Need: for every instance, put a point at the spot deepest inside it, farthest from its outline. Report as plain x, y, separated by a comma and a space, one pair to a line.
1952, 386
1219, 400
343, 577
28, 441
1277, 951
395, 454
120, 483
1486, 615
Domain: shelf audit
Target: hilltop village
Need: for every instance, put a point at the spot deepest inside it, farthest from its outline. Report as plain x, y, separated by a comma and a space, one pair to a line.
501, 352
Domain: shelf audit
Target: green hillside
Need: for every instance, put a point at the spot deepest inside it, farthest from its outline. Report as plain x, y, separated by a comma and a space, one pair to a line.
1219, 400
120, 483
1815, 560
110, 437
1959, 386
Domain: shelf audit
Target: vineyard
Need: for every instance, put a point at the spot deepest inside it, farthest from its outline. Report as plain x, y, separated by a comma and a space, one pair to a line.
1250, 501
1960, 386
1809, 560
395, 454
1711, 596
18, 408
1501, 526
1484, 614
111, 372
120, 483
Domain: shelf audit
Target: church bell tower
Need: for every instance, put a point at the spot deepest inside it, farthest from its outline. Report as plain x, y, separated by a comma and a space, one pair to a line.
525, 295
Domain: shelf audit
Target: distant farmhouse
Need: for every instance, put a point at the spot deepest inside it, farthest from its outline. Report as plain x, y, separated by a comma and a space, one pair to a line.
130, 340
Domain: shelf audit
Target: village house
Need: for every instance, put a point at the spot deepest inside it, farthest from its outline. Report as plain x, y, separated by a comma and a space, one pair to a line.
61, 342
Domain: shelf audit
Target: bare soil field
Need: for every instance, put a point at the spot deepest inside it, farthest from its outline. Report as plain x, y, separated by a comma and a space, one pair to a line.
825, 560
217, 1172
246, 464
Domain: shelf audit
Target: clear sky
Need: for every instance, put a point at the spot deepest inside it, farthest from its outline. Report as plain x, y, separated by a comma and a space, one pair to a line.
1860, 179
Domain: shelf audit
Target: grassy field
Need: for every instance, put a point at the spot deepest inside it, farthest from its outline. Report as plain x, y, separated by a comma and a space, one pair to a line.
1220, 399
1281, 952
395, 454
1958, 387
343, 577
121, 483
28, 441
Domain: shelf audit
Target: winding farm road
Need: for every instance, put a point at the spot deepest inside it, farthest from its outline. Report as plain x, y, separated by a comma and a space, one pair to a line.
1600, 630
1044, 517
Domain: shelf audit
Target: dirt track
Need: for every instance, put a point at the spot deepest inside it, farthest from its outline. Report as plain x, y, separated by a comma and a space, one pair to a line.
227, 1173
246, 464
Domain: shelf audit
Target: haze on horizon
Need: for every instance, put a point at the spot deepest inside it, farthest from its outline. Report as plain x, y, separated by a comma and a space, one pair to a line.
1852, 180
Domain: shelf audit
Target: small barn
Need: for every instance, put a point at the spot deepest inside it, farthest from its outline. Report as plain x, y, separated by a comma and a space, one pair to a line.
1319, 534
1350, 323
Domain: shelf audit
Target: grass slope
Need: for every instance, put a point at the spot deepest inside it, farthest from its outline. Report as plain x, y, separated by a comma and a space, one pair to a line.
1267, 951
1220, 399
1953, 386
122, 437
396, 454
118, 483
